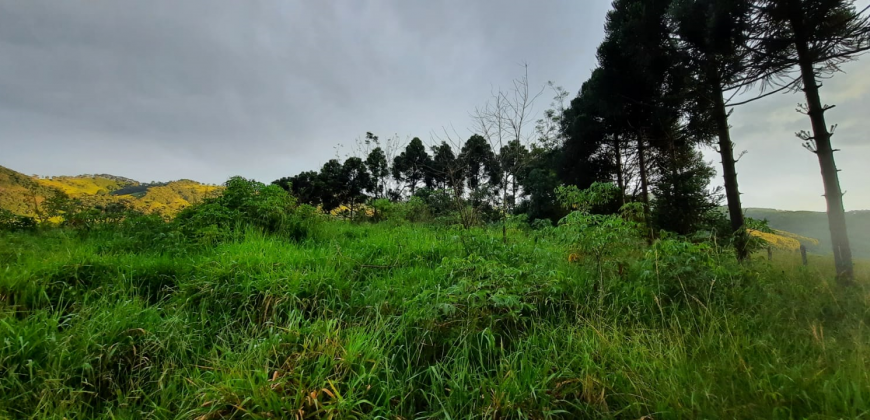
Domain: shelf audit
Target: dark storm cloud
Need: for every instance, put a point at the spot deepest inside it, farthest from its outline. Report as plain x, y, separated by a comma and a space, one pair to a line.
205, 89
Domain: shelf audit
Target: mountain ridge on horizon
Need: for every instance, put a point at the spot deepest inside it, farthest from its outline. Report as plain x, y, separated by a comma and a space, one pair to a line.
168, 198
153, 182
22, 194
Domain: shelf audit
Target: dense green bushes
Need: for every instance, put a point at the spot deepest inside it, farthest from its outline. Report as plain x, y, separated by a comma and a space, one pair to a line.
244, 204
250, 306
12, 222
405, 320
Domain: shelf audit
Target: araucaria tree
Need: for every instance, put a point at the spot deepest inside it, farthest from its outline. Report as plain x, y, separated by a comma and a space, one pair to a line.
814, 37
356, 181
411, 166
643, 82
376, 162
331, 182
713, 35
480, 167
445, 171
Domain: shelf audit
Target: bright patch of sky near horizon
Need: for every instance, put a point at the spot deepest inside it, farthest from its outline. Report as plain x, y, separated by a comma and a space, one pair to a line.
160, 90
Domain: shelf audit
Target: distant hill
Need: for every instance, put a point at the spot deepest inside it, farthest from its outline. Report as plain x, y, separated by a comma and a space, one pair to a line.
173, 197
815, 225
20, 193
85, 185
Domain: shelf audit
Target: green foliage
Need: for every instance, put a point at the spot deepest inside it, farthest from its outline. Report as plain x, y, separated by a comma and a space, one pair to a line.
403, 320
12, 222
685, 272
584, 201
304, 186
683, 203
445, 171
356, 180
376, 162
244, 204
607, 239
480, 164
539, 179
412, 166
80, 216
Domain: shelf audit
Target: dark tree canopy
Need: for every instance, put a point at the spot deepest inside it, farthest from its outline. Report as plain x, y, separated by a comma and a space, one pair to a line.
479, 161
444, 171
356, 182
304, 186
331, 181
376, 162
412, 165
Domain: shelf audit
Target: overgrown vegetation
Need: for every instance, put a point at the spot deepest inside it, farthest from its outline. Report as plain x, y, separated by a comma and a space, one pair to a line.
573, 266
251, 305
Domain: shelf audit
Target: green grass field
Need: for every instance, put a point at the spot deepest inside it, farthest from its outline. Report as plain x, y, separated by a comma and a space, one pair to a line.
405, 321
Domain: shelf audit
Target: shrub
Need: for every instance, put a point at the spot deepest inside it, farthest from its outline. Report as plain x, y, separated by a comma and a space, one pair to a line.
601, 237
685, 271
12, 222
245, 203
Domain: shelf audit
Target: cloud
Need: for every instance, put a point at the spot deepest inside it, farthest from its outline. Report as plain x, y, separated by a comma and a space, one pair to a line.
778, 172
207, 89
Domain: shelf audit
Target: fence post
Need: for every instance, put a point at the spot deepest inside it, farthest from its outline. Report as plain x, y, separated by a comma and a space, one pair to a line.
804, 255
769, 253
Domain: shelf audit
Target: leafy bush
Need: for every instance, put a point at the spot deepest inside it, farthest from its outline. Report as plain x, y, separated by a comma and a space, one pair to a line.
604, 238
245, 203
97, 216
12, 222
688, 272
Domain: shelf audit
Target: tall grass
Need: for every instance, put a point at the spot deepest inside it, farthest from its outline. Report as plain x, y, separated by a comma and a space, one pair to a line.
407, 321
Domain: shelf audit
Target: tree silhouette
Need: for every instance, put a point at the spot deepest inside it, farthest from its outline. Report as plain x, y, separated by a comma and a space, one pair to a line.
376, 162
331, 183
356, 180
445, 170
813, 37
410, 167
714, 35
512, 159
479, 163
304, 186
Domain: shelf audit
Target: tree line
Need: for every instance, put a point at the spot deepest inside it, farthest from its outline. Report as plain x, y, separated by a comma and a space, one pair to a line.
668, 72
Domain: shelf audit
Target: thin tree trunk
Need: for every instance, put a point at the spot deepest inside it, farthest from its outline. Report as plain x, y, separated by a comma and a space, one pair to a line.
620, 181
825, 153
729, 170
644, 184
504, 210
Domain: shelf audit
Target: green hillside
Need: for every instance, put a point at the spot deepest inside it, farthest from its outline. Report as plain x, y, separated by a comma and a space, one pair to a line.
85, 185
21, 193
815, 225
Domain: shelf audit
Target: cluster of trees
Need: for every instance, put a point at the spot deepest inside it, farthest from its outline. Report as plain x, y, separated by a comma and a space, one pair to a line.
474, 168
667, 73
667, 69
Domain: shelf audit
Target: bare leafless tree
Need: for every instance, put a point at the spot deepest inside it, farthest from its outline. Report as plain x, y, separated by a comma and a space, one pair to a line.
506, 118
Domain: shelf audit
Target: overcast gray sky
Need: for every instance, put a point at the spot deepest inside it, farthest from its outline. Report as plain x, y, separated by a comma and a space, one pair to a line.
206, 89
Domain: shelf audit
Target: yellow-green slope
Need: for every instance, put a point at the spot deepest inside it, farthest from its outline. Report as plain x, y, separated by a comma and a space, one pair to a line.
21, 194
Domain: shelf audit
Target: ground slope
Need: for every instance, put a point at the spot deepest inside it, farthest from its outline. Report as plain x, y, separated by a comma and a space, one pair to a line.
21, 193
815, 225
